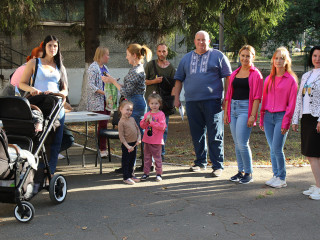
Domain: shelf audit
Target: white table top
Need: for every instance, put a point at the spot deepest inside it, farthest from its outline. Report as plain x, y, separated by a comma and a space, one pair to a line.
83, 116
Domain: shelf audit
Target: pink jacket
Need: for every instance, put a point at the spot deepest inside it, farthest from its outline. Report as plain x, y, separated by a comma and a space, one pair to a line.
158, 125
255, 92
280, 98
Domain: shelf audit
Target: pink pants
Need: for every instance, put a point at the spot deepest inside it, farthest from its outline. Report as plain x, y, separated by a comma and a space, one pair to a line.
102, 125
152, 150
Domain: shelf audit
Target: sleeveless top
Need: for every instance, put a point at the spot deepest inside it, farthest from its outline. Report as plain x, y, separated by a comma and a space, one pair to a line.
46, 80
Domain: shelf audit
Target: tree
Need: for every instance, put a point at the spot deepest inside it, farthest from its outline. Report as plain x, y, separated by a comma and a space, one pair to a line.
302, 16
18, 15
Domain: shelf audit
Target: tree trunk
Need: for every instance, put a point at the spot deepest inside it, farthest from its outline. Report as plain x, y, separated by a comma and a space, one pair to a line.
91, 28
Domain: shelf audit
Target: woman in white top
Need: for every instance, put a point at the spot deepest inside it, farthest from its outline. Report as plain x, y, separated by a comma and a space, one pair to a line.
308, 109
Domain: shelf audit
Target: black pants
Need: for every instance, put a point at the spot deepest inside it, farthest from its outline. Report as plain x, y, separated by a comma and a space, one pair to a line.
128, 161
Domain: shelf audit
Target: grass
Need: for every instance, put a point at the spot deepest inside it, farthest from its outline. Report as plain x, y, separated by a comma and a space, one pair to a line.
179, 147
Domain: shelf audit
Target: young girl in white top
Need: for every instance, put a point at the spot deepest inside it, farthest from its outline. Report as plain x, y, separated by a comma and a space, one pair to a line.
154, 123
130, 137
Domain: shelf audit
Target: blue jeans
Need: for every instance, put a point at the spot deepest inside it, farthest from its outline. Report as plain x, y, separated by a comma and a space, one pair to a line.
276, 141
165, 136
241, 134
206, 116
56, 145
139, 109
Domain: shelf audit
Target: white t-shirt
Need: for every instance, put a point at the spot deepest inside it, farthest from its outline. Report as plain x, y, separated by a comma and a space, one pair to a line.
306, 99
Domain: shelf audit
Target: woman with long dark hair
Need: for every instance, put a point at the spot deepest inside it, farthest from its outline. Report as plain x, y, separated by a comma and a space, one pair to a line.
51, 77
308, 109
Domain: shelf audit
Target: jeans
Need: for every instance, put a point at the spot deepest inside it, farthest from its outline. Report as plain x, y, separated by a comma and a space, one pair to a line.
128, 160
67, 139
139, 109
241, 134
163, 152
206, 116
56, 145
276, 141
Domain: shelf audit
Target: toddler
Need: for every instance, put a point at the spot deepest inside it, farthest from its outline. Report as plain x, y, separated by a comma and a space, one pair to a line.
130, 137
154, 123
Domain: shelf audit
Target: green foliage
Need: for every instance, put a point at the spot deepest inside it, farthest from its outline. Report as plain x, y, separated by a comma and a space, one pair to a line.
301, 16
18, 15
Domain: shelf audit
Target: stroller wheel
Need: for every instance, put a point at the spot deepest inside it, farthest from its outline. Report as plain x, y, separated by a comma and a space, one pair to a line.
26, 213
58, 188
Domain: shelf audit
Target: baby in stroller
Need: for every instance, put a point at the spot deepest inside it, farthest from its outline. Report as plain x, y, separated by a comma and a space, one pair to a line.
24, 168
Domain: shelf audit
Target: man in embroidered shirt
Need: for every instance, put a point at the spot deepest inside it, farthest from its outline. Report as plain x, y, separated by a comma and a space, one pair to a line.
201, 72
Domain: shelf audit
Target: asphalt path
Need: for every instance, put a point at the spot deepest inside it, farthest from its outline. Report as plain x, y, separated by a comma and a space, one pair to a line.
184, 205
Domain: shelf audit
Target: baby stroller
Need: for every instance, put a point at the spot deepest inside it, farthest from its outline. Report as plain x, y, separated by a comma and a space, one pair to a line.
20, 177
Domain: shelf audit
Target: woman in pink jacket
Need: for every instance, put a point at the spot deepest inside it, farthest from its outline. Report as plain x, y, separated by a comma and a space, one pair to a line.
278, 103
241, 108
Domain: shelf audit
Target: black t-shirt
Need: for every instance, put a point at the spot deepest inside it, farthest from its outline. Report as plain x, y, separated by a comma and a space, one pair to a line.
240, 88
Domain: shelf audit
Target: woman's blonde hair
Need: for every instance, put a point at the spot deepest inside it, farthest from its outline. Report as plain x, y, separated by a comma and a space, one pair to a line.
140, 51
100, 51
249, 48
286, 56
155, 96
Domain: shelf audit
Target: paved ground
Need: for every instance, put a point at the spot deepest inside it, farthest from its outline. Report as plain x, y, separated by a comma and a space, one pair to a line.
183, 206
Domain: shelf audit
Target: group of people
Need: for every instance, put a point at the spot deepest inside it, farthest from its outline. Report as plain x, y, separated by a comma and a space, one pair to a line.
214, 95
202, 71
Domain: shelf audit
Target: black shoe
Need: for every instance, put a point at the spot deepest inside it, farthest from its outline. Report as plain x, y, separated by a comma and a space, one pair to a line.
139, 169
118, 170
144, 177
151, 168
237, 177
247, 178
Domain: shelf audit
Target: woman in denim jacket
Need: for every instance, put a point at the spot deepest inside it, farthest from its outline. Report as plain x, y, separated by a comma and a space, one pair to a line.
308, 109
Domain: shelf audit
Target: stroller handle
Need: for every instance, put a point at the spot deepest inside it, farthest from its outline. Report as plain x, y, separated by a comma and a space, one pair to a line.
60, 95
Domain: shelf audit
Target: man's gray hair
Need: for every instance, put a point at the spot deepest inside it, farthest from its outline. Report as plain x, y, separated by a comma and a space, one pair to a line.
203, 32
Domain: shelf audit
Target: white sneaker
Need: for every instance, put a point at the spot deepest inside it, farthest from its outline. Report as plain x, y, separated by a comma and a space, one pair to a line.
103, 154
158, 178
60, 156
271, 180
129, 181
309, 191
278, 183
316, 194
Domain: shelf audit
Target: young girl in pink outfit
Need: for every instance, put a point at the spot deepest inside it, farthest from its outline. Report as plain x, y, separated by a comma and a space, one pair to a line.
154, 123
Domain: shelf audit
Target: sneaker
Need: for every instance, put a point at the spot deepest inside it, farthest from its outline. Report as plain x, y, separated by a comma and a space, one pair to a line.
129, 181
271, 180
316, 194
60, 156
237, 177
144, 177
196, 168
103, 154
158, 178
216, 172
309, 191
135, 179
247, 178
278, 183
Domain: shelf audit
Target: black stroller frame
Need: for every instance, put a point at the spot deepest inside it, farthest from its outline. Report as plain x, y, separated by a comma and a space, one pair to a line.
16, 116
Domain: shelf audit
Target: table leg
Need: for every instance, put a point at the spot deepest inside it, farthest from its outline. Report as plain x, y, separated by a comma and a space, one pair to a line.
85, 146
97, 146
